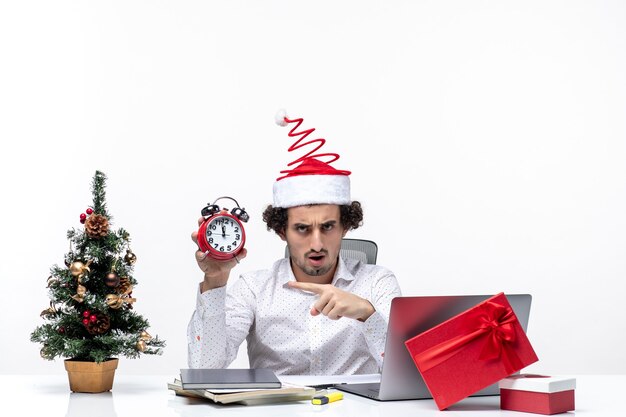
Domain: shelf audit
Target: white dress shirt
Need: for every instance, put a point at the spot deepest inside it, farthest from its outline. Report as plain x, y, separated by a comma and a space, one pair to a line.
281, 332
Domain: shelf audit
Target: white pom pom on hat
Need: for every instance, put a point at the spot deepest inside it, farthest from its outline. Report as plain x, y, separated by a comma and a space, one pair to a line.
312, 181
280, 117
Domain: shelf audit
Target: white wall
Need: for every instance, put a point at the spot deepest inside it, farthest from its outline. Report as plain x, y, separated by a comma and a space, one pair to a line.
486, 140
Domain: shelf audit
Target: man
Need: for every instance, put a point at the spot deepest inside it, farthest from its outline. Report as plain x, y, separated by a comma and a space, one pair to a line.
314, 313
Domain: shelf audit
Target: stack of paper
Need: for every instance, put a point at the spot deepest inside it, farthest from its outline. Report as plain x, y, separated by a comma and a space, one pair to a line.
287, 392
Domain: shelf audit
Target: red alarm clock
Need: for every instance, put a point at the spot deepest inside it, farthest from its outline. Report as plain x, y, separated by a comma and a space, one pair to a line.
222, 236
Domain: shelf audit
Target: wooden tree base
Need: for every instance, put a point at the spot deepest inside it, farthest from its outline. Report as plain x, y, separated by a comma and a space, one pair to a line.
91, 376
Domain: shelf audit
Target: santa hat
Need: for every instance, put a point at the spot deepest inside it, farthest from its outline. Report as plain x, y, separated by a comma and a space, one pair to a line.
312, 181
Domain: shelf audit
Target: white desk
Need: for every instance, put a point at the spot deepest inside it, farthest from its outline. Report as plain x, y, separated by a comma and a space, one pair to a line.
148, 396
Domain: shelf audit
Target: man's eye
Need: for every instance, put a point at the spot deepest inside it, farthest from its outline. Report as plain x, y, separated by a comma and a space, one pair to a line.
302, 229
327, 227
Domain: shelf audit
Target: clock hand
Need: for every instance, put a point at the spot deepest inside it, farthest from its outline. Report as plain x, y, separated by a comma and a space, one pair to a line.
223, 231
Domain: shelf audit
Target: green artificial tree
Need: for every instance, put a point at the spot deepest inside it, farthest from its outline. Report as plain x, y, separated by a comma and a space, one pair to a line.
91, 316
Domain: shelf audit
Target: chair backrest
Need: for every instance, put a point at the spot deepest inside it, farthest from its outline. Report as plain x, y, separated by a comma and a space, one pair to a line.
361, 249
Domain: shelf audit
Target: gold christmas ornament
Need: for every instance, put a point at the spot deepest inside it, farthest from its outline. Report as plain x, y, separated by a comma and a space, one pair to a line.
141, 345
50, 311
51, 281
114, 301
96, 226
118, 300
130, 257
44, 353
80, 293
78, 269
145, 336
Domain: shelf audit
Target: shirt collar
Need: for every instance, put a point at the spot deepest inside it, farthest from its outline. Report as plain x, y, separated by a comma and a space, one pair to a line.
342, 272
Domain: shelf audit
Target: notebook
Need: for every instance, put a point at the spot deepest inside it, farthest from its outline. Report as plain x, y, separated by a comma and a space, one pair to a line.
228, 378
409, 316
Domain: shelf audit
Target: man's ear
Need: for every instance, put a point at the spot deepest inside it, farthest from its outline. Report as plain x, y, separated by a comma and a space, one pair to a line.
282, 236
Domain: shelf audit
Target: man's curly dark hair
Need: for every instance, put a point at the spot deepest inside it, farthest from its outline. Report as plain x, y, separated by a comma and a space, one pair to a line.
276, 217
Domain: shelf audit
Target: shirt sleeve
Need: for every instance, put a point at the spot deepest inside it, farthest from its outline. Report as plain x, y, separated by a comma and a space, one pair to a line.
374, 329
219, 324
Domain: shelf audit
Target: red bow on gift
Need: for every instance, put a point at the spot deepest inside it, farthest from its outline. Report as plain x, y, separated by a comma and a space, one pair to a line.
494, 322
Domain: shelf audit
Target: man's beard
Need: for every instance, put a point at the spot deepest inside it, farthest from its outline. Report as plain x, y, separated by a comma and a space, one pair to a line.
314, 272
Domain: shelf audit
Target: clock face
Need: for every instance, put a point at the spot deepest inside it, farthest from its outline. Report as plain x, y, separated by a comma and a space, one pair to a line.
224, 234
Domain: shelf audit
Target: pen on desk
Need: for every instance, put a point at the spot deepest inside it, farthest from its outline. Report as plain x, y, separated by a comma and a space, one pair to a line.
327, 398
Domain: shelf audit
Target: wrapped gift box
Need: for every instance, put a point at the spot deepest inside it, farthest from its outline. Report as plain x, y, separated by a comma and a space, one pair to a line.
471, 351
538, 394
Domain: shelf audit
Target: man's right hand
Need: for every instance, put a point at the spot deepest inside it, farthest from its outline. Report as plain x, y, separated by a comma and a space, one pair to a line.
216, 272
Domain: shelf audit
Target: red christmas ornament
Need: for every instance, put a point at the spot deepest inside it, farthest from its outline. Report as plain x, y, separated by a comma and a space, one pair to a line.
93, 318
85, 321
83, 216
89, 210
86, 313
61, 330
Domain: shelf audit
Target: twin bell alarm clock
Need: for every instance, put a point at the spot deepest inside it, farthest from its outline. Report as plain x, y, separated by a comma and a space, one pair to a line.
222, 236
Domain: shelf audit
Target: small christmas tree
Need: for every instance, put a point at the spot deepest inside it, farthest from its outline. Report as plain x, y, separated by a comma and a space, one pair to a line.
91, 316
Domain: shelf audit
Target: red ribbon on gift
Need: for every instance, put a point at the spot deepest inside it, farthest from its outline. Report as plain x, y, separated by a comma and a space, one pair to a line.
495, 323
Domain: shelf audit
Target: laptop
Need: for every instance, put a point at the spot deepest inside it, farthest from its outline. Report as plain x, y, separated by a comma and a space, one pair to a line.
409, 316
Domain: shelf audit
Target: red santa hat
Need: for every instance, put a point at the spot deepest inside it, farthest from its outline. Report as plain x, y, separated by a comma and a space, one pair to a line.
312, 181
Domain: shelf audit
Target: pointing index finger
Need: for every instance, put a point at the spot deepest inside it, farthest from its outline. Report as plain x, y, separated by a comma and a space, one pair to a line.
307, 286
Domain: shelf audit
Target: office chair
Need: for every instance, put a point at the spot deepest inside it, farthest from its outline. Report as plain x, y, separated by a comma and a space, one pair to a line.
361, 249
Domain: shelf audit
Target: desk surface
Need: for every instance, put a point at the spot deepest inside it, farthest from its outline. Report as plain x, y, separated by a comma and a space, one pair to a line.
132, 395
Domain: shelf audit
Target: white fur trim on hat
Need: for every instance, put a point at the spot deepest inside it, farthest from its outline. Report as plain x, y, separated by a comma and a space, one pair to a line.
302, 190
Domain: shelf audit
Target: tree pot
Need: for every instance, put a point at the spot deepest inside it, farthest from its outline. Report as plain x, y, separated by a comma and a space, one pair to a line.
91, 377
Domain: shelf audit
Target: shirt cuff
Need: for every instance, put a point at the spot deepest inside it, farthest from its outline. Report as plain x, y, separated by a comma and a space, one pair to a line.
211, 302
374, 327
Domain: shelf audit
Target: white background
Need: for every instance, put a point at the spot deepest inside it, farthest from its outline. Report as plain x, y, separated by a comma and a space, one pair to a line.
486, 140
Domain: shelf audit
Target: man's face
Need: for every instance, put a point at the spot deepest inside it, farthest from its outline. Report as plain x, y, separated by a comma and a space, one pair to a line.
314, 236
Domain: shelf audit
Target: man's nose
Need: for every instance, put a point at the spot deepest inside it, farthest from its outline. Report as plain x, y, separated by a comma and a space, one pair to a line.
316, 241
